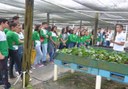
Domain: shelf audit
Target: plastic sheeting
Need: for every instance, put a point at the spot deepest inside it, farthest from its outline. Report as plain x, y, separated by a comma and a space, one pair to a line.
70, 11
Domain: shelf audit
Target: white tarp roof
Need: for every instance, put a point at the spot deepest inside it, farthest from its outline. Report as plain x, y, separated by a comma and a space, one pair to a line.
70, 11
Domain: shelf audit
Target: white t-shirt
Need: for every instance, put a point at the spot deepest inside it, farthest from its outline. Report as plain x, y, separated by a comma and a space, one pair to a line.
2, 36
44, 31
109, 36
21, 36
120, 37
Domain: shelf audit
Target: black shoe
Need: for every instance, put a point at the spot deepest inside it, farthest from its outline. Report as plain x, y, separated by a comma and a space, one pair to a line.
12, 76
44, 63
1, 83
7, 86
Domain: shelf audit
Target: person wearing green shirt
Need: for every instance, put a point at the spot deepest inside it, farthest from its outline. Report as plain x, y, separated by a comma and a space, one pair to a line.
63, 38
72, 39
44, 44
6, 30
3, 54
81, 39
87, 38
37, 44
13, 42
53, 42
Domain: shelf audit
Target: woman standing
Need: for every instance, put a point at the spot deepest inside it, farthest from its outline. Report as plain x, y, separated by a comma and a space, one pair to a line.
53, 42
63, 38
37, 46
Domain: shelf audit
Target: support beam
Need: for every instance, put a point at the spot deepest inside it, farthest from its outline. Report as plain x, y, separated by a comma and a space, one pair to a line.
95, 28
55, 72
17, 14
28, 24
48, 18
80, 24
98, 82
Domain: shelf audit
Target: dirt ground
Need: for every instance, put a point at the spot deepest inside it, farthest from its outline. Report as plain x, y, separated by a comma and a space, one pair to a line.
78, 81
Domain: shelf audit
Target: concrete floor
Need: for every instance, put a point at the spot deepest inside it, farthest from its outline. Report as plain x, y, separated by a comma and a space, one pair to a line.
38, 76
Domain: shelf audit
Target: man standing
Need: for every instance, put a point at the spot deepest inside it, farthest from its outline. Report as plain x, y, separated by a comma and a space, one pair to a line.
119, 39
4, 54
15, 19
13, 42
44, 35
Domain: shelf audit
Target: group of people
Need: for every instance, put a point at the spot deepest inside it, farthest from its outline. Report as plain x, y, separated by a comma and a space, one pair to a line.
106, 37
11, 48
46, 40
103, 37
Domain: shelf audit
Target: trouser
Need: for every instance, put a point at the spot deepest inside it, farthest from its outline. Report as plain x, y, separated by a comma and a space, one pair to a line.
44, 51
107, 43
80, 44
71, 44
20, 54
52, 51
62, 46
4, 72
38, 54
14, 58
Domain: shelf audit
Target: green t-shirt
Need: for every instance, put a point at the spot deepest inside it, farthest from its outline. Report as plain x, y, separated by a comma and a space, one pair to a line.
81, 39
72, 38
44, 33
13, 40
3, 44
36, 37
64, 37
88, 37
6, 30
54, 36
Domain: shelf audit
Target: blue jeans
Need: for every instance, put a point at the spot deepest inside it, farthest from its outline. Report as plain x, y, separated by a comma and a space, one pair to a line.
62, 46
71, 44
80, 44
52, 50
20, 53
44, 51
107, 43
38, 54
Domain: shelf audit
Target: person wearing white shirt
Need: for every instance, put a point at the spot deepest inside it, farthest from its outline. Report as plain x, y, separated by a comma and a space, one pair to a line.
108, 38
119, 39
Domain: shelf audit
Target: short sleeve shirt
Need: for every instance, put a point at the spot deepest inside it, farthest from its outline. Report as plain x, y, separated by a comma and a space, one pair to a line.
120, 37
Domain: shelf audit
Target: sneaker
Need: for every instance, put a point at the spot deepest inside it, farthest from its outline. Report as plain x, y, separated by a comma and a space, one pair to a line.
44, 63
30, 71
30, 80
41, 65
51, 62
33, 67
17, 73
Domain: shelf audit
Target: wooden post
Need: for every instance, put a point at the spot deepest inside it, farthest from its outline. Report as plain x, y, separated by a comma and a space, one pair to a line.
48, 18
95, 29
28, 24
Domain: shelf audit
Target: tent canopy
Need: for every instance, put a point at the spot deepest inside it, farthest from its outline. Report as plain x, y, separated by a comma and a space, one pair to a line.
70, 11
